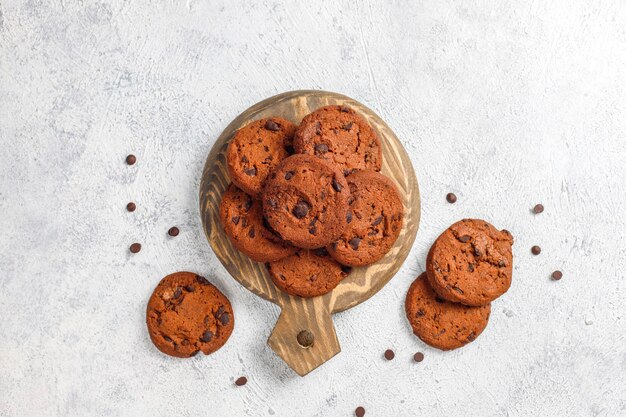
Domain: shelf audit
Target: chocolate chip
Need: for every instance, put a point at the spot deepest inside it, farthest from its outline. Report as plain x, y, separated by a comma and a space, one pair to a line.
244, 159
538, 209
389, 355
241, 381
135, 247
248, 204
235, 220
272, 125
321, 252
224, 319
251, 172
335, 244
219, 312
251, 232
206, 337
464, 239
377, 221
244, 222
178, 292
344, 109
347, 126
336, 186
557, 275
168, 339
284, 278
471, 337
354, 243
536, 250
321, 148
131, 207
301, 209
418, 357
349, 216
359, 412
190, 288
420, 313
313, 230
289, 175
305, 338
440, 300
202, 280
131, 159
501, 264
451, 198
318, 128
477, 252
346, 269
173, 231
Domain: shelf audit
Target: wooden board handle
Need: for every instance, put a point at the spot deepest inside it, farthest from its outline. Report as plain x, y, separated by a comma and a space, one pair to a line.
304, 335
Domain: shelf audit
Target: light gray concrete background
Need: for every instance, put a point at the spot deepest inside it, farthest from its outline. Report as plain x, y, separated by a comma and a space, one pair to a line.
507, 104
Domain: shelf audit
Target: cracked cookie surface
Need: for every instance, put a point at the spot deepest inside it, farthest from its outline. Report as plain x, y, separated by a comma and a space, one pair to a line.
471, 263
340, 135
306, 200
440, 323
256, 149
307, 273
242, 220
375, 215
187, 314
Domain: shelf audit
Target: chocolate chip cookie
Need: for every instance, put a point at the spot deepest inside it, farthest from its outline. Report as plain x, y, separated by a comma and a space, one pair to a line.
242, 219
256, 149
187, 314
471, 263
375, 216
307, 273
440, 323
306, 201
340, 135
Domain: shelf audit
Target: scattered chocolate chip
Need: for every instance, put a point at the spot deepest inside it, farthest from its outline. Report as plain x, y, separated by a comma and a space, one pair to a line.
244, 222
173, 231
135, 247
557, 275
501, 264
349, 216
335, 244
251, 232
241, 381
320, 252
538, 209
251, 172
272, 125
536, 250
224, 319
131, 207
321, 148
219, 312
185, 342
336, 186
305, 338
206, 337
471, 337
168, 339
313, 230
131, 159
346, 269
244, 159
178, 292
477, 252
464, 239
202, 280
451, 197
301, 209
344, 109
359, 412
418, 357
289, 175
470, 267
420, 313
190, 288
347, 126
389, 355
377, 221
354, 243
235, 220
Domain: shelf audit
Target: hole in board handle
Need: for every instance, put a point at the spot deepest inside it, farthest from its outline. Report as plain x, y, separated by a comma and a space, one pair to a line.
305, 338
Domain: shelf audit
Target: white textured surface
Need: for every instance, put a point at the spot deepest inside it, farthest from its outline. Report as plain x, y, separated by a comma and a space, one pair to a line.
505, 103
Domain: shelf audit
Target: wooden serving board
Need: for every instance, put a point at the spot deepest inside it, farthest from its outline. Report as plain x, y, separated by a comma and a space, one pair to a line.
304, 336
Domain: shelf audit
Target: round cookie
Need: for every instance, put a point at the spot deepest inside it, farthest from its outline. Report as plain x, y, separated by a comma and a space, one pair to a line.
440, 323
307, 273
340, 135
256, 149
306, 200
187, 314
242, 219
471, 263
375, 216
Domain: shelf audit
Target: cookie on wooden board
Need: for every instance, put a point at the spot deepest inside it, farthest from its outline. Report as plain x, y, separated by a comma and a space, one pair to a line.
375, 216
307, 273
306, 200
187, 314
242, 219
471, 263
440, 323
256, 149
340, 135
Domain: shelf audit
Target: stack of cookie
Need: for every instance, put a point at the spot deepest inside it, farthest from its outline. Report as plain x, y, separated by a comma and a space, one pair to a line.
469, 265
309, 200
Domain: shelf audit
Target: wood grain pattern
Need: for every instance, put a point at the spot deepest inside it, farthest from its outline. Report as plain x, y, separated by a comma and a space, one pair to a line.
299, 313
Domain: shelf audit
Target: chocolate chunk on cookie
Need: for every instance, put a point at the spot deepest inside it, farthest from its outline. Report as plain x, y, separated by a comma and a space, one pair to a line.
375, 216
307, 273
187, 314
256, 149
440, 323
306, 200
471, 263
242, 219
340, 135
